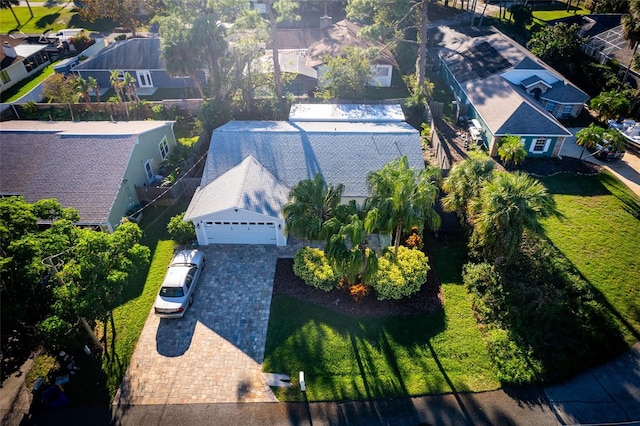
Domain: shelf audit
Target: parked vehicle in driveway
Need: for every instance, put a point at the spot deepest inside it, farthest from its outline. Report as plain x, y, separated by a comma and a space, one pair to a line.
607, 153
176, 293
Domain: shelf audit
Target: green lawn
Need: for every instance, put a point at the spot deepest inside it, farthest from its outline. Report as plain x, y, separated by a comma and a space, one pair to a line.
25, 86
56, 17
599, 235
346, 358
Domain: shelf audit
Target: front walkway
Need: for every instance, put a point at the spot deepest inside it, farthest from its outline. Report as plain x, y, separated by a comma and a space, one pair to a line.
213, 354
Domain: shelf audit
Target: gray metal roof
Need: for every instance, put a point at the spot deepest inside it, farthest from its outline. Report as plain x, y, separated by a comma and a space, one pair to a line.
342, 152
248, 186
131, 54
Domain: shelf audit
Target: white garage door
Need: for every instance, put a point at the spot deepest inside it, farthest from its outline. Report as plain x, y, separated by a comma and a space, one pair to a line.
221, 232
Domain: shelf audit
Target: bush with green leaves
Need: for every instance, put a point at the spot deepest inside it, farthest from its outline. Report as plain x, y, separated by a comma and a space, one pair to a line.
181, 231
53, 333
515, 364
402, 278
311, 265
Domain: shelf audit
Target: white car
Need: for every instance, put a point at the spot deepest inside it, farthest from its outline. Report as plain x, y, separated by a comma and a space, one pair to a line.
176, 292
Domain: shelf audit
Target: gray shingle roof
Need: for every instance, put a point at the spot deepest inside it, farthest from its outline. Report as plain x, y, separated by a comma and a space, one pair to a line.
81, 164
84, 172
528, 64
132, 54
343, 152
564, 92
248, 186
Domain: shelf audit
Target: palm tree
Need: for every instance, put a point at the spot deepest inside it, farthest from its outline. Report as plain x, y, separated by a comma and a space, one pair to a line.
95, 86
311, 204
403, 197
347, 246
511, 150
615, 139
464, 183
507, 207
631, 32
589, 137
118, 85
180, 59
208, 34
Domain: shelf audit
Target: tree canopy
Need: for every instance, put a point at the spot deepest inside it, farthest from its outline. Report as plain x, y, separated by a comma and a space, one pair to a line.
559, 45
347, 76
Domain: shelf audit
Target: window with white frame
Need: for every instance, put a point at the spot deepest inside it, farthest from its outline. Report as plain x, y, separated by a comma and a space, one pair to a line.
550, 106
540, 144
567, 110
164, 148
148, 171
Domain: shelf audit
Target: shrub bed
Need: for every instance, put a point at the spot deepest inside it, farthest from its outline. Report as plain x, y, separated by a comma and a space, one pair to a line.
402, 278
312, 266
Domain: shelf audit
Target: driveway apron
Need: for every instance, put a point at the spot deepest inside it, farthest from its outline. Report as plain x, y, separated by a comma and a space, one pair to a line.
214, 354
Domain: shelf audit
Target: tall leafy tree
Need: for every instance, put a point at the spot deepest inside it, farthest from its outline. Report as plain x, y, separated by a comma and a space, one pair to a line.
347, 76
589, 137
521, 15
311, 203
180, 60
611, 104
615, 139
65, 90
631, 32
559, 45
464, 182
392, 21
128, 13
507, 207
511, 150
96, 271
279, 11
404, 197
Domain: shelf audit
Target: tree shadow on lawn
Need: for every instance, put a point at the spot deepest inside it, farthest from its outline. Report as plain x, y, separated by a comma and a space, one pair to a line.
557, 316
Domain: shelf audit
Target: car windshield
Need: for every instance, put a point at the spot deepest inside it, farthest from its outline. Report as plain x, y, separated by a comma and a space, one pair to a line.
171, 292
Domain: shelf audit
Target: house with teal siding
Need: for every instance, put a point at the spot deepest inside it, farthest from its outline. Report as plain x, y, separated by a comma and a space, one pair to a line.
505, 90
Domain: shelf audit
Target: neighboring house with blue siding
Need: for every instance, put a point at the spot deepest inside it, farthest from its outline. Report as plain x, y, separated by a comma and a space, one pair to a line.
140, 57
91, 166
506, 90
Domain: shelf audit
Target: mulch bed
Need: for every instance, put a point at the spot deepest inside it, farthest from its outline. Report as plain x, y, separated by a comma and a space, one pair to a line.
428, 299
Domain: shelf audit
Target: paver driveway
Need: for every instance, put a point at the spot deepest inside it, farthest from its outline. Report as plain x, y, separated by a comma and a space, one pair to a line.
214, 353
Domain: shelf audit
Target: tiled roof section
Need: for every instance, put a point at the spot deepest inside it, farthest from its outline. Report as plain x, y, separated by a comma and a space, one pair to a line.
297, 38
342, 152
528, 64
84, 172
337, 37
132, 54
248, 186
564, 92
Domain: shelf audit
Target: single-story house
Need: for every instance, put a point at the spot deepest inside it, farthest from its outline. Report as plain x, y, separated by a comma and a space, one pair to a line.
252, 165
91, 166
507, 90
20, 59
140, 57
316, 44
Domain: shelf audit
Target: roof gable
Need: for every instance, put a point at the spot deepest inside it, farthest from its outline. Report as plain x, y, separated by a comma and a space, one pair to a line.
248, 185
131, 54
344, 153
528, 64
